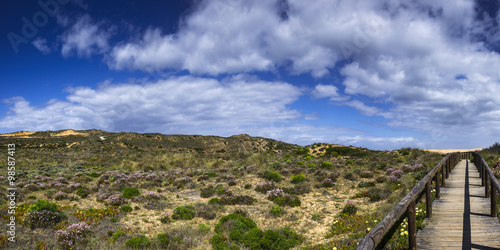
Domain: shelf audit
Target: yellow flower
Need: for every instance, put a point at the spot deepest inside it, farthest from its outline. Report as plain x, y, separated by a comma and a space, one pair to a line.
367, 222
375, 221
334, 248
368, 229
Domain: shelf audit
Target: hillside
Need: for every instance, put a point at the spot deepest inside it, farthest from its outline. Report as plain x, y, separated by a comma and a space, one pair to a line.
193, 192
101, 140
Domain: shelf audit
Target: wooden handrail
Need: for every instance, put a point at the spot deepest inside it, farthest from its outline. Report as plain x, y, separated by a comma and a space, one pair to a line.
487, 176
374, 238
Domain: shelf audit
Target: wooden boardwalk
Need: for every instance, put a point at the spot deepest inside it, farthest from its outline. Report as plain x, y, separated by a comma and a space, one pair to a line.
461, 217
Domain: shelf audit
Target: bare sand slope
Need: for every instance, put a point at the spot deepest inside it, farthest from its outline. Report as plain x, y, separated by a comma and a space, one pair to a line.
446, 151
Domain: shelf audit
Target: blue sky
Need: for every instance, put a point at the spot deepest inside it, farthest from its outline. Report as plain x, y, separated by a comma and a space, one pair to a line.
377, 74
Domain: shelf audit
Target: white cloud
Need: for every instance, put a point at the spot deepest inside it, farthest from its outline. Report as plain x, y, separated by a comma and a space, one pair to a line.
41, 45
175, 105
85, 38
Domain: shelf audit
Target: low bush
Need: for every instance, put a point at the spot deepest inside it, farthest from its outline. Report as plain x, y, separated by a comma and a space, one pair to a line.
276, 210
74, 234
207, 192
326, 165
162, 240
273, 176
126, 209
183, 213
298, 190
140, 241
287, 200
369, 183
349, 209
366, 174
298, 178
117, 235
83, 192
263, 187
130, 193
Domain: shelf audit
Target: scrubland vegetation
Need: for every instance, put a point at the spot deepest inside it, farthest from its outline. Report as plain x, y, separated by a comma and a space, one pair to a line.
139, 191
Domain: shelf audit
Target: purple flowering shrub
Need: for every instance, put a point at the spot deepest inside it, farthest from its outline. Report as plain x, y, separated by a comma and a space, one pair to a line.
397, 174
60, 196
150, 195
265, 186
327, 182
73, 235
42, 219
115, 200
272, 194
412, 168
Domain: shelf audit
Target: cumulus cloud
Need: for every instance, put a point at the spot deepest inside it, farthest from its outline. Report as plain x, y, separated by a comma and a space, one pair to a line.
85, 38
41, 45
176, 105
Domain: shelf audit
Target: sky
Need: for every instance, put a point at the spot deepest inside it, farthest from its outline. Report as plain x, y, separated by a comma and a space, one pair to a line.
380, 74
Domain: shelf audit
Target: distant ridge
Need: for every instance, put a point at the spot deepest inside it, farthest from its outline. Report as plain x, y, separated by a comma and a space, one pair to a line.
88, 139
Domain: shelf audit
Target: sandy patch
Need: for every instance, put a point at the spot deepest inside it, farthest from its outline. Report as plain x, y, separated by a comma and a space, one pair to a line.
446, 151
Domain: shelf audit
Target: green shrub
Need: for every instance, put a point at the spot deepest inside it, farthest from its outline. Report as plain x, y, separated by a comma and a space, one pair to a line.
211, 174
163, 240
207, 192
363, 184
130, 193
138, 242
236, 234
214, 201
349, 162
252, 238
401, 159
298, 178
126, 209
349, 209
381, 179
349, 176
248, 186
234, 221
94, 175
326, 165
41, 205
276, 210
276, 165
273, 176
83, 192
183, 213
204, 228
280, 200
290, 200
117, 235
217, 242
32, 197
273, 240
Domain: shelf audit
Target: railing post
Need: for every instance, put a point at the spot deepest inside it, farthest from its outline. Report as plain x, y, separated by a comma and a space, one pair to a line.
493, 201
483, 173
438, 180
412, 226
486, 186
428, 198
447, 168
443, 175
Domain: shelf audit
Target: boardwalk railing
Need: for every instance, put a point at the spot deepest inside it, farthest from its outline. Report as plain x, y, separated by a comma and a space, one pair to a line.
383, 231
487, 176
